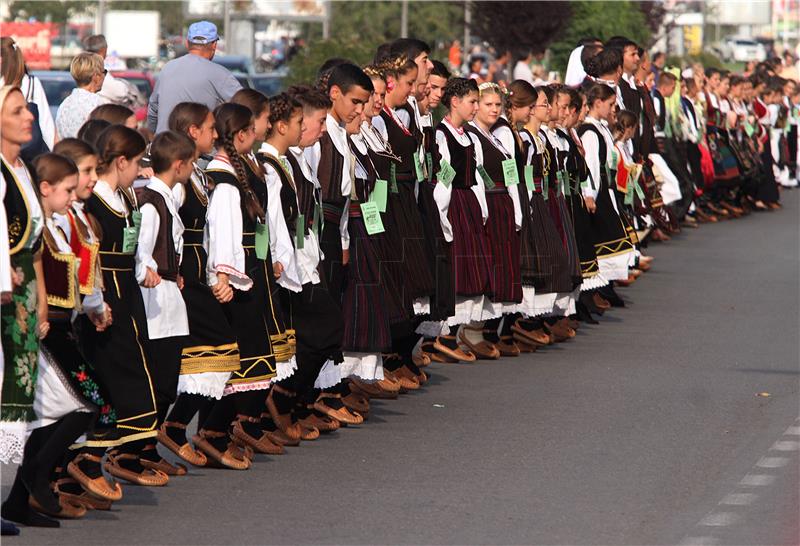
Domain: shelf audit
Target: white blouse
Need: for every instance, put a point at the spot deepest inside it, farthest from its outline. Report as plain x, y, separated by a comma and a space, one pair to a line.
224, 225
163, 304
338, 136
442, 193
280, 240
592, 148
508, 152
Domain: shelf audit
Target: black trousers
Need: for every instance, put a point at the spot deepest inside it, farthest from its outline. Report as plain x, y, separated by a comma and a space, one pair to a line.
165, 367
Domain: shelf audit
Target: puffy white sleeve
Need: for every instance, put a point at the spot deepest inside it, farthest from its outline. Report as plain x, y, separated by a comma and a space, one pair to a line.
592, 148
479, 189
343, 223
280, 240
225, 251
380, 126
506, 138
441, 193
148, 233
179, 194
514, 193
46, 122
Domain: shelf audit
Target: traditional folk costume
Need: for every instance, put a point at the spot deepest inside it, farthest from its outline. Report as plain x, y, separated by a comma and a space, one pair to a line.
612, 244
211, 352
294, 216
20, 341
502, 226
120, 354
238, 245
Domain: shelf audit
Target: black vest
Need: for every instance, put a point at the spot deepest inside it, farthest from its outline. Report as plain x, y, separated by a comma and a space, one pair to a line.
492, 157
164, 250
462, 159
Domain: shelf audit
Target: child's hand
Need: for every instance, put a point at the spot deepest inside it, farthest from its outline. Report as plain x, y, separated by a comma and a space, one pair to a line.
345, 256
151, 279
146, 172
277, 269
222, 290
180, 282
591, 206
102, 320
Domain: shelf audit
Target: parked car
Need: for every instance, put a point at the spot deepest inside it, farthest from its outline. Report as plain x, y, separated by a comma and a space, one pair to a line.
742, 50
58, 84
236, 63
269, 84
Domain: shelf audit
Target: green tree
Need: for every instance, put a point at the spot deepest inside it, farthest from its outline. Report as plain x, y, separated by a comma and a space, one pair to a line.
358, 28
55, 11
603, 19
519, 27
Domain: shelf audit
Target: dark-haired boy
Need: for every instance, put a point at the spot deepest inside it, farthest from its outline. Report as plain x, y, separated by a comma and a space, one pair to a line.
158, 256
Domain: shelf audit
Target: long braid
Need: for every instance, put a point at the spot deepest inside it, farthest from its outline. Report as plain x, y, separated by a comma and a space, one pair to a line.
252, 205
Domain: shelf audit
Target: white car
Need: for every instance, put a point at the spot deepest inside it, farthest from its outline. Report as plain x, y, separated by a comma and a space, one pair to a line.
743, 50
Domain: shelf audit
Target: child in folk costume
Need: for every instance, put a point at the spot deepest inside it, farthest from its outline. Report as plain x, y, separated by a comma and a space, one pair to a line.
519, 103
79, 229
500, 176
349, 89
158, 258
460, 196
210, 353
553, 277
119, 353
558, 148
310, 310
612, 244
238, 260
578, 175
316, 104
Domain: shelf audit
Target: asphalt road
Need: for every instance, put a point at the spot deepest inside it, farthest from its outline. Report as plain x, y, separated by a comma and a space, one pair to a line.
645, 429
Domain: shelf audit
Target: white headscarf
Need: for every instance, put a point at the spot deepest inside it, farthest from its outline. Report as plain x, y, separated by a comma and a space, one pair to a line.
575, 72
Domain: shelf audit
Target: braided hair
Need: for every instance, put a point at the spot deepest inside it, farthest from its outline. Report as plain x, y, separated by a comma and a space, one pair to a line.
458, 87
229, 119
281, 108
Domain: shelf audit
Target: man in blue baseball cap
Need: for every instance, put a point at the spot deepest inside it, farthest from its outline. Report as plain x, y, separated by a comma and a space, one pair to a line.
191, 78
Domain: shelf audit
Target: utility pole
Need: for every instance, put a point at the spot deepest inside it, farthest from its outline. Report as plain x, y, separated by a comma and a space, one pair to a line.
226, 23
404, 19
326, 22
467, 21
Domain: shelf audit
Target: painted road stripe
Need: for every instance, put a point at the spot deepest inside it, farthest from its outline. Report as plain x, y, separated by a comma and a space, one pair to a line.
772, 462
756, 480
739, 499
719, 519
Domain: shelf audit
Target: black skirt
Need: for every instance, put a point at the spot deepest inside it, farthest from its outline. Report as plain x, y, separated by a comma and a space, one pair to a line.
553, 272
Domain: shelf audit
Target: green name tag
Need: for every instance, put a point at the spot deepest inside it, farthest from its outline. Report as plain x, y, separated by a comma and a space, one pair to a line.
510, 172
429, 166
299, 236
585, 184
487, 180
372, 218
380, 194
262, 241
560, 181
567, 184
137, 218
130, 237
639, 190
608, 175
546, 187
629, 196
418, 168
393, 178
529, 178
446, 173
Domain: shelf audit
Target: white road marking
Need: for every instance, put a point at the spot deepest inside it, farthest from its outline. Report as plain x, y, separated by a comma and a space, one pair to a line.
792, 431
772, 462
755, 480
739, 499
719, 519
786, 445
699, 541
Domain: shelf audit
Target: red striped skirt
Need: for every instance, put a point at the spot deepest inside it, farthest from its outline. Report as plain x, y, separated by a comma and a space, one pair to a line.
504, 244
471, 253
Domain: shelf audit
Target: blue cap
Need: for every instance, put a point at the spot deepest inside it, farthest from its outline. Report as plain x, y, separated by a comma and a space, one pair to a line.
202, 32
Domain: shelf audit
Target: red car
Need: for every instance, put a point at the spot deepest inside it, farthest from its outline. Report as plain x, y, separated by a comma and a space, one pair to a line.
144, 82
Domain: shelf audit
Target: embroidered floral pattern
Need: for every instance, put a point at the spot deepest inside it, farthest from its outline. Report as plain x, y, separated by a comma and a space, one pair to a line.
20, 344
91, 391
